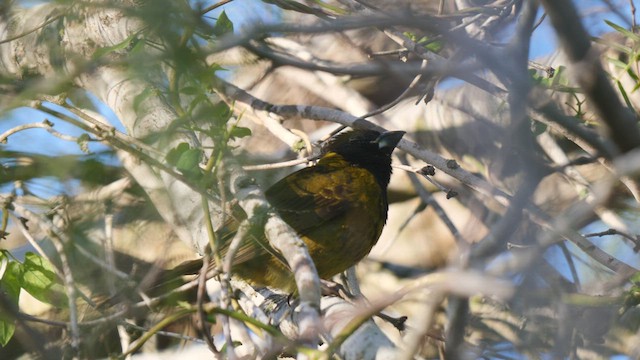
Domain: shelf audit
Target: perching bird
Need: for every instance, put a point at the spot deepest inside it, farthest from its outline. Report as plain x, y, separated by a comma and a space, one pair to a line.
338, 207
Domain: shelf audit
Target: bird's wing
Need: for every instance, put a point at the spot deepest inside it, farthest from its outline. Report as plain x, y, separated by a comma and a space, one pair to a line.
307, 200
310, 197
253, 245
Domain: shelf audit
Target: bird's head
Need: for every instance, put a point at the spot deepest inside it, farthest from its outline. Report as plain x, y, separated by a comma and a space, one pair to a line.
368, 149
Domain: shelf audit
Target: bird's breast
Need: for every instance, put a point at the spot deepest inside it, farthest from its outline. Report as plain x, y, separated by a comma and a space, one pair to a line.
346, 239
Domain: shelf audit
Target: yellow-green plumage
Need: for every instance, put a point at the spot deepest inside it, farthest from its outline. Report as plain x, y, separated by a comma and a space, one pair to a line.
338, 207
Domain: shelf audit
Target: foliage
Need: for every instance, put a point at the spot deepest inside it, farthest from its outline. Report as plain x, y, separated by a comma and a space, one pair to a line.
167, 103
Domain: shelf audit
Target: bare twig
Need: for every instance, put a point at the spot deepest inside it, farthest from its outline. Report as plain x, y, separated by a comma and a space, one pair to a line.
214, 6
60, 241
53, 18
635, 240
427, 198
44, 125
279, 165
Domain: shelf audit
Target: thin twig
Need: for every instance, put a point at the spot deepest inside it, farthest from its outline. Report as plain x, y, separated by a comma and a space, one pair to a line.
400, 97
202, 316
632, 7
112, 137
572, 266
635, 240
214, 6
540, 21
27, 32
426, 175
280, 165
33, 242
60, 242
427, 198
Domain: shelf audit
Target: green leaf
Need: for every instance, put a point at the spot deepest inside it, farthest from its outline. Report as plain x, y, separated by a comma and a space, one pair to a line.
624, 95
632, 74
538, 128
221, 113
330, 7
617, 63
561, 76
223, 25
120, 46
189, 161
11, 275
142, 97
174, 154
613, 45
410, 35
83, 142
628, 34
7, 329
10, 292
190, 90
216, 67
435, 46
39, 279
239, 132
296, 6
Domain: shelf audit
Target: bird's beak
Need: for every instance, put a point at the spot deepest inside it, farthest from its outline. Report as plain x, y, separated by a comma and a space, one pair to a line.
388, 141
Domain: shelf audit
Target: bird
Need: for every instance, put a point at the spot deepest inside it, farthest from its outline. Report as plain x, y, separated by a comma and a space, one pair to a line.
338, 207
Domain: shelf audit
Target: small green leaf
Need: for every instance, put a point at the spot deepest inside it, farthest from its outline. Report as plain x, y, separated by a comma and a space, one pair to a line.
632, 75
296, 6
39, 279
7, 329
435, 46
628, 34
10, 291
624, 95
120, 46
410, 35
330, 7
221, 113
189, 161
537, 127
83, 142
613, 45
190, 90
561, 76
174, 154
223, 25
239, 132
216, 67
142, 97
194, 105
298, 146
617, 63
